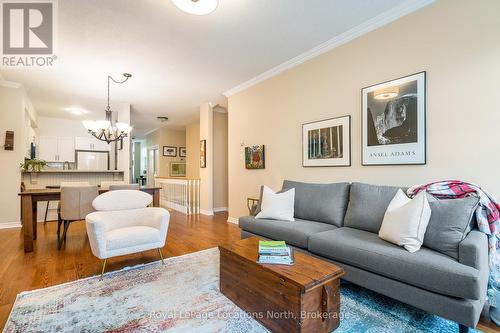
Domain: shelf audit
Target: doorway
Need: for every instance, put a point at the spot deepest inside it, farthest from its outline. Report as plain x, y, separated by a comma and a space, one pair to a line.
153, 165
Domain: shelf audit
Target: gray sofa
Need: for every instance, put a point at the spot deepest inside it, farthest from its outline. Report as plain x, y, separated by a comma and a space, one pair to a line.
340, 223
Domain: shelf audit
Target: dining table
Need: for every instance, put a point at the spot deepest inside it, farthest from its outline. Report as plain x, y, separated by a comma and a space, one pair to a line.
31, 197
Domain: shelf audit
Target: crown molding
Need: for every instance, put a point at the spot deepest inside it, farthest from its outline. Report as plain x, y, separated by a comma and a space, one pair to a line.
345, 37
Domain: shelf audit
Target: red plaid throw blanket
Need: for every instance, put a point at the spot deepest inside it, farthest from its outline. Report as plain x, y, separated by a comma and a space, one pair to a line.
487, 212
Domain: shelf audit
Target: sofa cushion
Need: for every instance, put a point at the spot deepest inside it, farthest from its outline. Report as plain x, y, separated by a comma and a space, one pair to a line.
426, 269
294, 233
450, 223
367, 206
325, 203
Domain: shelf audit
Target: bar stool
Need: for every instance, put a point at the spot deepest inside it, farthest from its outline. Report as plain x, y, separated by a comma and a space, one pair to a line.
75, 205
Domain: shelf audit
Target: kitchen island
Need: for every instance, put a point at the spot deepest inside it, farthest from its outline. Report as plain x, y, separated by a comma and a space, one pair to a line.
54, 177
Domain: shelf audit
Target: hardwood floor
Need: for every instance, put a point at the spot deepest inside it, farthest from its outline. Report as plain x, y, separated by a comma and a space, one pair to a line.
47, 266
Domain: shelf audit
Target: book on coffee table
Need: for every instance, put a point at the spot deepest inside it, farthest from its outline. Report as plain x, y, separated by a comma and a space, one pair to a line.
275, 252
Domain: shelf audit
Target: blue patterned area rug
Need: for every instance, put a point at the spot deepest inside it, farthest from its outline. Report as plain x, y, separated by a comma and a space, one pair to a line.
363, 310
183, 296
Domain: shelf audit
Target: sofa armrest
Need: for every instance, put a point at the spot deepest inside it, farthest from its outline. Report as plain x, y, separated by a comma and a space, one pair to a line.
473, 250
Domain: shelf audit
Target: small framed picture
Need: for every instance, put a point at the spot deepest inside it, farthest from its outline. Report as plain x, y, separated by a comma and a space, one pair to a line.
169, 151
255, 157
182, 152
327, 142
203, 153
393, 118
177, 169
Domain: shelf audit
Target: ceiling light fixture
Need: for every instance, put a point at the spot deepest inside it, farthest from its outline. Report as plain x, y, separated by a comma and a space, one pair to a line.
197, 7
76, 111
104, 130
386, 93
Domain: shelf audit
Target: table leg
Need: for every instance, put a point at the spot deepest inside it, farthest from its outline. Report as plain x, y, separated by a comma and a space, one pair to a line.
35, 218
156, 198
27, 221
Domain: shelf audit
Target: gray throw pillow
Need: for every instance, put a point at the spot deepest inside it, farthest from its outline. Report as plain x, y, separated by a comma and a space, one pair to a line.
325, 203
367, 206
450, 223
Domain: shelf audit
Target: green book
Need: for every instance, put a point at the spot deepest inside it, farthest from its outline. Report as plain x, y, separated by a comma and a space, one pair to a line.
271, 244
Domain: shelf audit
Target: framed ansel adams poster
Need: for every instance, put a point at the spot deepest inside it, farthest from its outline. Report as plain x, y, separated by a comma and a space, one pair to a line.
327, 142
393, 117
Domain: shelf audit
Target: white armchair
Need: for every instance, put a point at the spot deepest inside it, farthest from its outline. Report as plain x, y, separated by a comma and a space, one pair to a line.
123, 224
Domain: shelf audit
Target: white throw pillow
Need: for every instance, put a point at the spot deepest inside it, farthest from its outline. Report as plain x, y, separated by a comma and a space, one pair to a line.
406, 220
277, 206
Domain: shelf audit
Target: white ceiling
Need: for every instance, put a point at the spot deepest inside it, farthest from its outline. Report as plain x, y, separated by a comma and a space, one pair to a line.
178, 61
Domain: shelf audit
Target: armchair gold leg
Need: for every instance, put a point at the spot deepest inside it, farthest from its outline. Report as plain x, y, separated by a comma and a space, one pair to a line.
161, 256
103, 267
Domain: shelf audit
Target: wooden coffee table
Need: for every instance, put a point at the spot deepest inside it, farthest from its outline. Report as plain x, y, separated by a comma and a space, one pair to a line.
304, 297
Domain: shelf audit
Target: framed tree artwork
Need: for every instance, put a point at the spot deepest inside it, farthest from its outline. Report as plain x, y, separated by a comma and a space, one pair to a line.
327, 142
394, 121
255, 157
169, 151
203, 153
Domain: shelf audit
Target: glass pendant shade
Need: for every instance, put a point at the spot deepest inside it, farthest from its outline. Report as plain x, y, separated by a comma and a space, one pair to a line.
196, 7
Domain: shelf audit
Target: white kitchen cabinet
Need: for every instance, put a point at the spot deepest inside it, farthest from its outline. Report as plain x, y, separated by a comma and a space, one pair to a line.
90, 143
47, 148
83, 143
101, 145
56, 149
66, 149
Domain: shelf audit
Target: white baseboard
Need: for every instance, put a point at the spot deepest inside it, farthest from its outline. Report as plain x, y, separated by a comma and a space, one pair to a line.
206, 212
9, 225
220, 209
232, 220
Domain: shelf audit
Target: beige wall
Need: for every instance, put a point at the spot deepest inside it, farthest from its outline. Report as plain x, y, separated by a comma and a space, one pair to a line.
206, 174
166, 137
193, 151
13, 104
49, 126
456, 42
220, 161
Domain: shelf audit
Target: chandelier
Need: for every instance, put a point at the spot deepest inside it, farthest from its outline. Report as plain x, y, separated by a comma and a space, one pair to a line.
105, 130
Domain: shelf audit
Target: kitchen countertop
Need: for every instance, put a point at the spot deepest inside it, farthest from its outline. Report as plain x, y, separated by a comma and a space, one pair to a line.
77, 171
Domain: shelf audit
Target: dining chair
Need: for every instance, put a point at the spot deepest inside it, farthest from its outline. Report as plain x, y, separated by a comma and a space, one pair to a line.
75, 205
63, 184
117, 187
106, 184
68, 184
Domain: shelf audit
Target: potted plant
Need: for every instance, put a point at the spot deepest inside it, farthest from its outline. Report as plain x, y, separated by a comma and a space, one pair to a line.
33, 165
